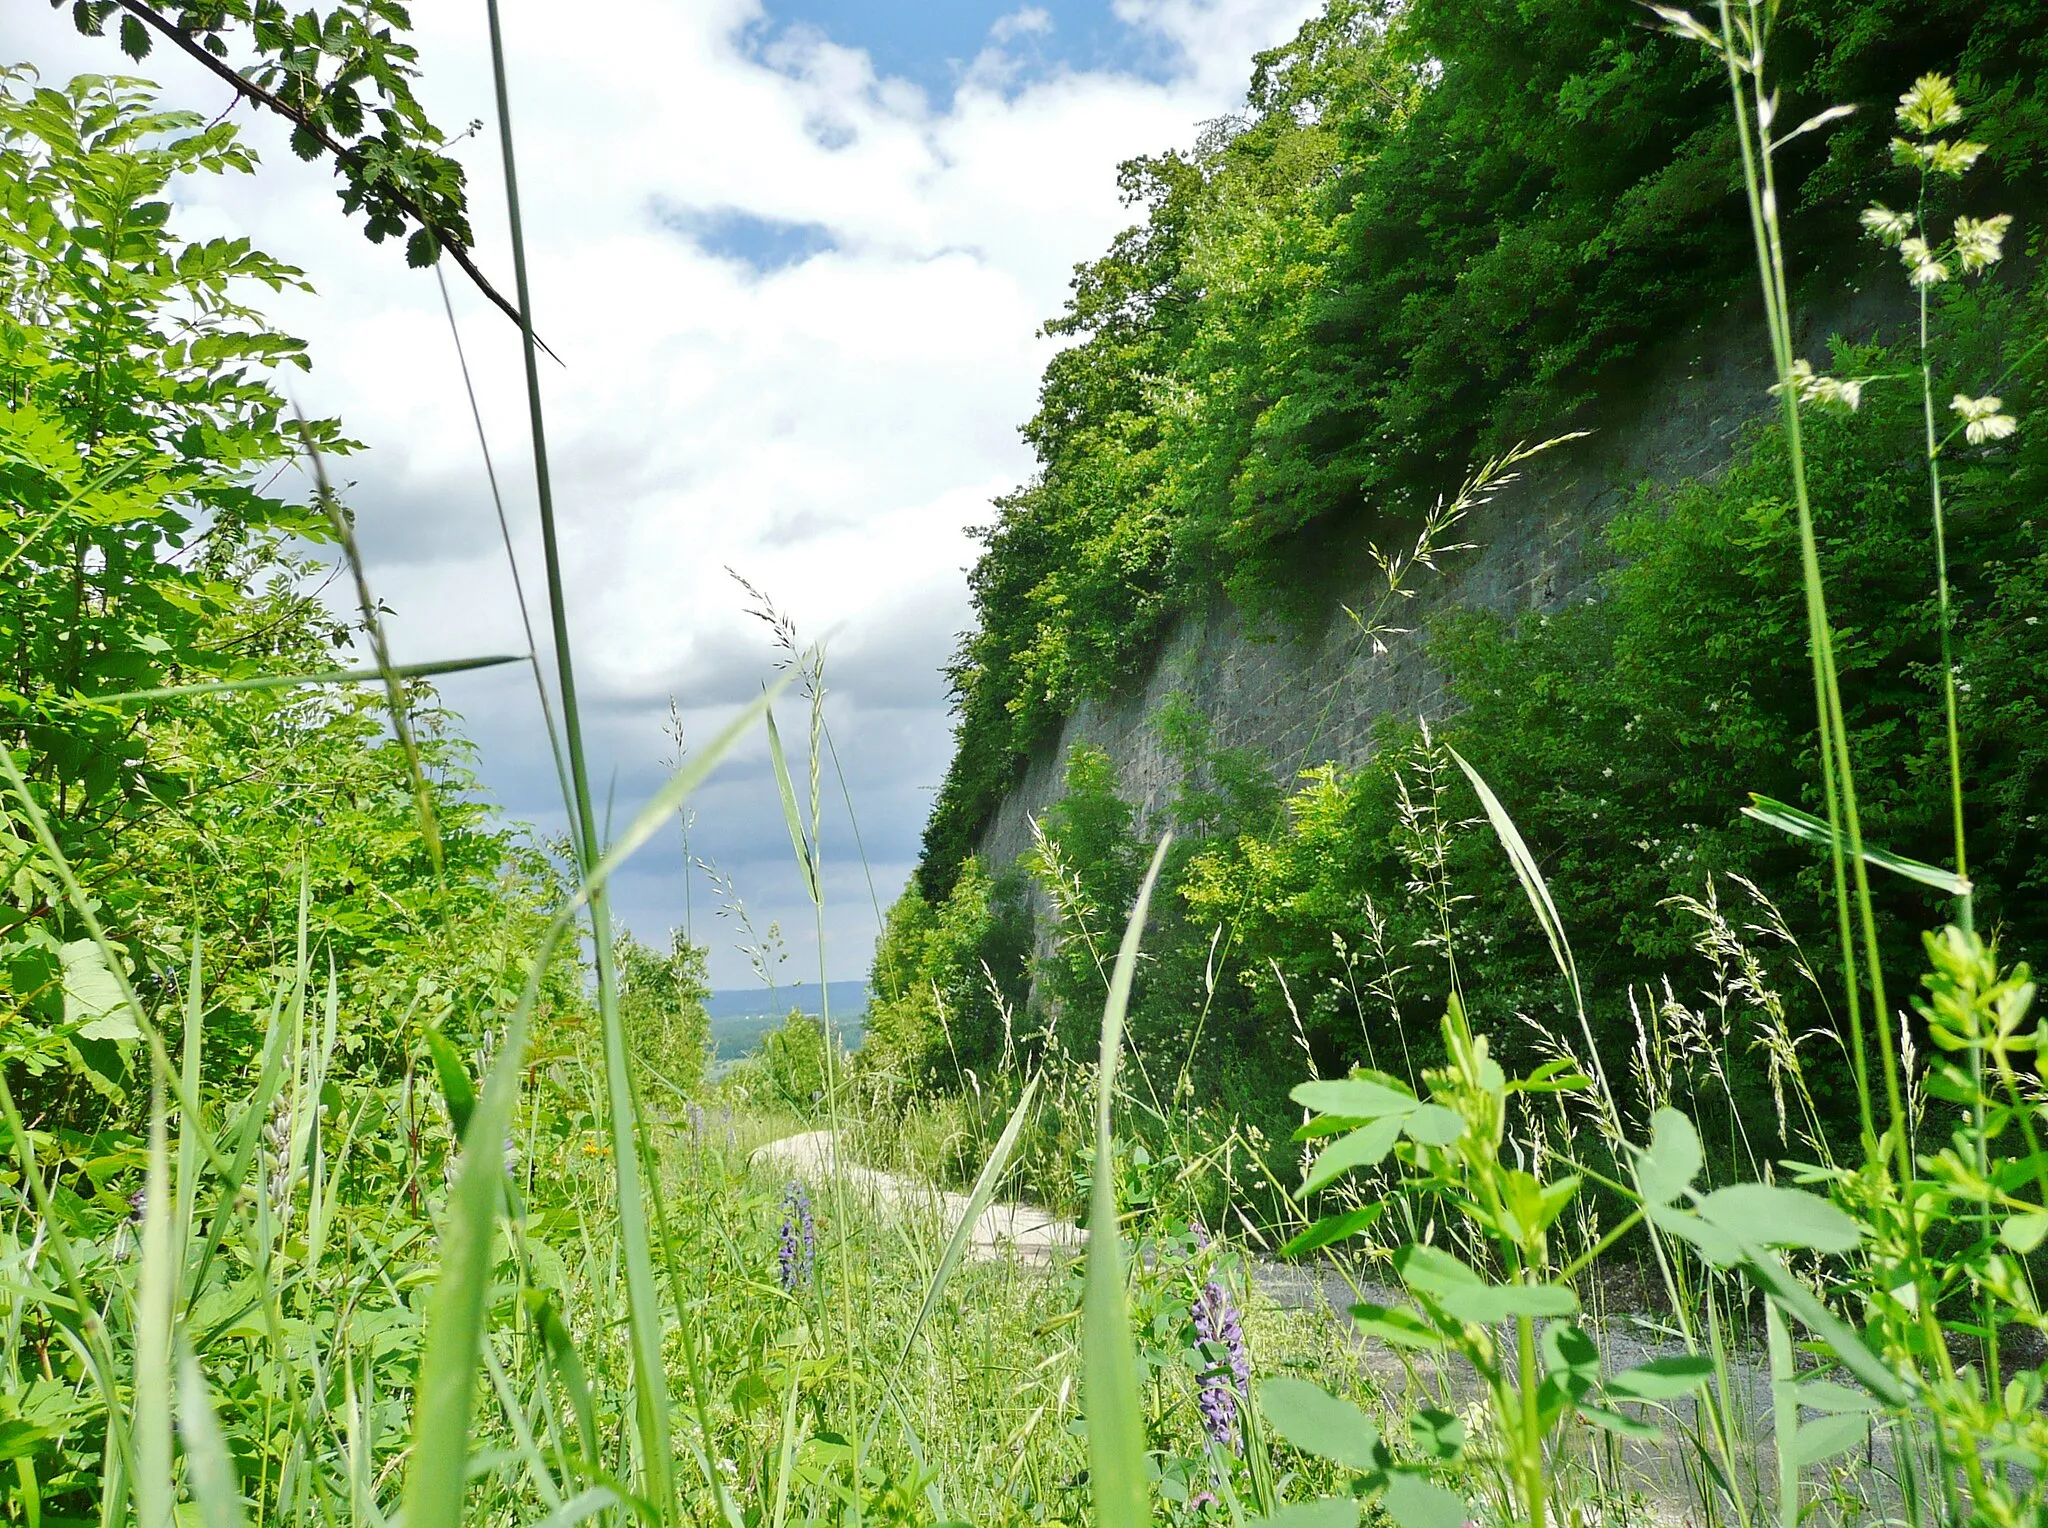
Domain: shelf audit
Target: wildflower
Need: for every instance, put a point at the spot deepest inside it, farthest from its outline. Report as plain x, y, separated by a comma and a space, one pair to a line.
1930, 105
1885, 225
798, 1249
129, 1232
1923, 266
1981, 241
1942, 156
1810, 387
1226, 1382
1982, 420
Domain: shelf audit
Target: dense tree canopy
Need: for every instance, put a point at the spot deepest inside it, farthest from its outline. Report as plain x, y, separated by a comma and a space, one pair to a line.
1437, 228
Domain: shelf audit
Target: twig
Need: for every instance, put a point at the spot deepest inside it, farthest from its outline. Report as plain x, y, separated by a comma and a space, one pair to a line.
249, 90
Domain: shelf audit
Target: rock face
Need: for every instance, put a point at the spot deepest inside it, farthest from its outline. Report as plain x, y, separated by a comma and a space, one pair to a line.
1303, 702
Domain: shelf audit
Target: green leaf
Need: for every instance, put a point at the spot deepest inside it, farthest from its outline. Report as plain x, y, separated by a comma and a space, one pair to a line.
422, 249
19, 1439
1438, 1433
1663, 1379
1621, 1422
1763, 1214
1464, 1295
92, 994
457, 1091
135, 39
1354, 1098
1826, 1395
1666, 1167
2023, 1233
1365, 1147
1826, 1437
1316, 1422
1814, 830
1402, 1328
1331, 1229
1434, 1125
1717, 1246
1568, 1349
1413, 1502
1109, 1376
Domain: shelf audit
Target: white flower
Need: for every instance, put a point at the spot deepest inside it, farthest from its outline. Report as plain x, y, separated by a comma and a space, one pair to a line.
1982, 420
1941, 156
1922, 268
1930, 105
1885, 225
1981, 241
1810, 387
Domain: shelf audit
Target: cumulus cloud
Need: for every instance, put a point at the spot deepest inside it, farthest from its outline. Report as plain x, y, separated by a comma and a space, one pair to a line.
796, 301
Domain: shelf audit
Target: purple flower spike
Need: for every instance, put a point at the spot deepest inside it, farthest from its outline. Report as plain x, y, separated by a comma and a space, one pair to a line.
798, 1250
1225, 1380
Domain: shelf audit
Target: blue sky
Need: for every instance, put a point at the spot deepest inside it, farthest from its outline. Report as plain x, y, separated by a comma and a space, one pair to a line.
931, 42
794, 255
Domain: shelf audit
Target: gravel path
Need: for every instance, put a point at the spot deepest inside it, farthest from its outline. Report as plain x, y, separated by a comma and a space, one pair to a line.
1031, 1234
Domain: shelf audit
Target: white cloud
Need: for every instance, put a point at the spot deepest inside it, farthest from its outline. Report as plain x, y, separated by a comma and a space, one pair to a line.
831, 428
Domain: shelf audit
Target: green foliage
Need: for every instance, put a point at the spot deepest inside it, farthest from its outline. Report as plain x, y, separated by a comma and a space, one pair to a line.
1439, 228
788, 1070
344, 80
146, 546
1625, 735
947, 984
661, 1000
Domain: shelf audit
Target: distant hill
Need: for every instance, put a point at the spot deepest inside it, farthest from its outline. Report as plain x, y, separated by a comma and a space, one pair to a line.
740, 1016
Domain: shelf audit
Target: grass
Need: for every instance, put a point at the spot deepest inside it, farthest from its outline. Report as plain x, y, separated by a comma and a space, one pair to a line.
536, 1291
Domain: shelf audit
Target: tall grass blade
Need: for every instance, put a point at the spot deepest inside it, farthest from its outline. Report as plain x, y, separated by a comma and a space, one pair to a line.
799, 839
1526, 871
977, 1201
209, 1468
1814, 830
662, 805
446, 1391
1109, 1379
380, 649
292, 681
567, 1363
580, 1508
156, 1293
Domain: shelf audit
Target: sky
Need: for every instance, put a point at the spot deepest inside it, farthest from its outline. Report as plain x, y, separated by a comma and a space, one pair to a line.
793, 255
